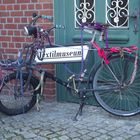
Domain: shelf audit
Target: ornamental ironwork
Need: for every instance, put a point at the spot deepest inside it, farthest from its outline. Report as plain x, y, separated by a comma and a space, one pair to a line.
116, 13
84, 11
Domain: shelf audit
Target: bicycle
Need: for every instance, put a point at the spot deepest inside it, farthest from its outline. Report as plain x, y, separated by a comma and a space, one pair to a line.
114, 80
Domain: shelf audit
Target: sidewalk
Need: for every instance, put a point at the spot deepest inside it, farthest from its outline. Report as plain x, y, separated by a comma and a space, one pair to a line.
54, 122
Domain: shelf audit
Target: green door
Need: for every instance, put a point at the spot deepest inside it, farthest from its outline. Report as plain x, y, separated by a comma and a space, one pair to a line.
121, 15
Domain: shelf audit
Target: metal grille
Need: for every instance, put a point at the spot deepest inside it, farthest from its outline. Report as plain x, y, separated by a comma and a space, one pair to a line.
84, 11
115, 11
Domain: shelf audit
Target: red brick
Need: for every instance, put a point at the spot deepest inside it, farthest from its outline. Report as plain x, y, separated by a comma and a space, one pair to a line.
21, 26
27, 39
1, 26
4, 56
10, 20
12, 57
24, 20
4, 14
17, 13
5, 45
2, 7
12, 45
22, 1
16, 20
11, 50
48, 1
3, 20
24, 7
10, 7
31, 6
47, 12
10, 26
1, 51
10, 32
9, 1
30, 13
47, 6
34, 1
3, 32
3, 38
38, 6
17, 33
18, 39
50, 85
18, 45
16, 7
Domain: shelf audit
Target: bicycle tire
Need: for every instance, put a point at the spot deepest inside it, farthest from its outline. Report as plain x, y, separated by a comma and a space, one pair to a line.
118, 97
12, 102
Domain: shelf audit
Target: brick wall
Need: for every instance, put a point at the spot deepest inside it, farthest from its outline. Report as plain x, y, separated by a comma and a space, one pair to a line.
14, 15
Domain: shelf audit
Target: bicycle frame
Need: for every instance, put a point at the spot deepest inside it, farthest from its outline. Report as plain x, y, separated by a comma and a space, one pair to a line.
53, 53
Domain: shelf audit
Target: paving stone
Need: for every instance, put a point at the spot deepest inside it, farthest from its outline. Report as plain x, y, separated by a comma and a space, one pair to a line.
17, 138
114, 133
103, 137
40, 138
54, 122
64, 138
118, 138
28, 135
137, 127
9, 135
102, 131
45, 133
110, 128
74, 135
126, 136
137, 137
94, 134
77, 139
83, 131
85, 137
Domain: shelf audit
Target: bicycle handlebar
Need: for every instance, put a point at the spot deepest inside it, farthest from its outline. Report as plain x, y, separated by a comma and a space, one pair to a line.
47, 17
36, 17
31, 29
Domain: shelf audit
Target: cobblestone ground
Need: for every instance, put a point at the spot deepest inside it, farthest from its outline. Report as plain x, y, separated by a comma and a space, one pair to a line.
54, 122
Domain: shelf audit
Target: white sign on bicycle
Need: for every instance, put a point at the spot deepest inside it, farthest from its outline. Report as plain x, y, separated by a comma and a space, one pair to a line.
62, 54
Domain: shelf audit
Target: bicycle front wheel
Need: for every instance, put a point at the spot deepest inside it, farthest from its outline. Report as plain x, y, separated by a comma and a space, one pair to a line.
113, 88
13, 99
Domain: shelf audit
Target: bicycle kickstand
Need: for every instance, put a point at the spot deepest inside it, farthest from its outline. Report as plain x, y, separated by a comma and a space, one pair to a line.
82, 103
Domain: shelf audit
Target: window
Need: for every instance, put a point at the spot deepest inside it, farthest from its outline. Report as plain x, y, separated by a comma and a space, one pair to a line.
116, 13
84, 11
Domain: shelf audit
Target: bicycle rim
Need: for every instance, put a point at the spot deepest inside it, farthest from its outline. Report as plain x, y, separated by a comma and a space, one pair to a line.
116, 95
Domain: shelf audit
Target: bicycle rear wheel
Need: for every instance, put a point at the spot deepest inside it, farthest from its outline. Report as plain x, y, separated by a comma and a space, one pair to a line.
12, 100
113, 90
